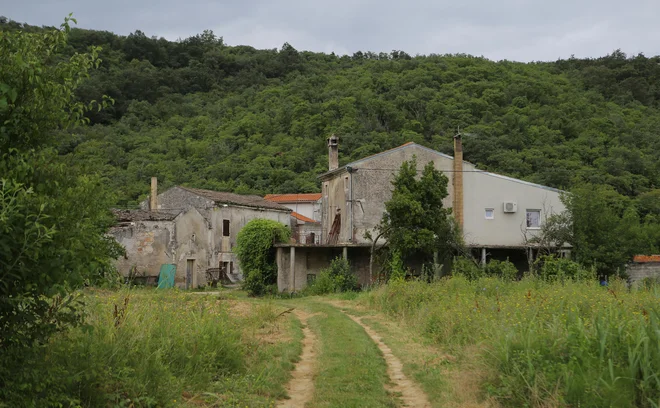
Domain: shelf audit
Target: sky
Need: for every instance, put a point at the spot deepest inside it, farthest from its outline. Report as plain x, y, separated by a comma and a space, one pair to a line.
517, 30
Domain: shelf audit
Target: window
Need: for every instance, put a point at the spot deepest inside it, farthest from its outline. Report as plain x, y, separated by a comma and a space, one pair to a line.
490, 213
311, 278
346, 183
225, 228
533, 219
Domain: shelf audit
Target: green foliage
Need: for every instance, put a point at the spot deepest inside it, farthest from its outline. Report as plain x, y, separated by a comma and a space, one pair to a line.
415, 223
155, 349
570, 343
501, 269
552, 268
37, 87
338, 277
604, 229
256, 254
53, 218
397, 268
467, 268
203, 113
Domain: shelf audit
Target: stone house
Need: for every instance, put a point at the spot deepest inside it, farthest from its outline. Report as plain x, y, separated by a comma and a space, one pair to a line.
152, 239
498, 214
192, 228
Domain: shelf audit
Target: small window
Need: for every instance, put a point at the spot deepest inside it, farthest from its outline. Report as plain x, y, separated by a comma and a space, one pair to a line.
490, 213
311, 278
533, 219
225, 228
346, 183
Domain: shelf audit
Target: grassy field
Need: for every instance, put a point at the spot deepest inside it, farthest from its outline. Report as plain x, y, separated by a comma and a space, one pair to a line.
168, 348
532, 343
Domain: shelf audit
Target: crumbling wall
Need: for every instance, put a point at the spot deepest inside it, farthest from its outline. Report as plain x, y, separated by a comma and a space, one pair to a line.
148, 244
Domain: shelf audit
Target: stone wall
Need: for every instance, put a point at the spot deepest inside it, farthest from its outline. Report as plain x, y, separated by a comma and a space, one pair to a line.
639, 271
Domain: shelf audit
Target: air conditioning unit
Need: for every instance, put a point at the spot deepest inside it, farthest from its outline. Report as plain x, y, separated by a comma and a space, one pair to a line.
510, 207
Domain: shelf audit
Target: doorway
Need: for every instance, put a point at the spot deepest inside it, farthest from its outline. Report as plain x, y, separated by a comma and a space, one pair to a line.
190, 267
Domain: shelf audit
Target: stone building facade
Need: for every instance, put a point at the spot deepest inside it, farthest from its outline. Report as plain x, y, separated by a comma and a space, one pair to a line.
192, 228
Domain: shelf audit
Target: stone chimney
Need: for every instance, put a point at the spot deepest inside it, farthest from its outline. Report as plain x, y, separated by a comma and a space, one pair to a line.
333, 153
153, 200
458, 180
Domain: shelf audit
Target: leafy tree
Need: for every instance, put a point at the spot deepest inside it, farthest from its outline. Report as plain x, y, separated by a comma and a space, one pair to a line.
415, 222
256, 254
53, 219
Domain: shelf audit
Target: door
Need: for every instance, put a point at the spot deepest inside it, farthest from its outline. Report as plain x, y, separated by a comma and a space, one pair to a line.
190, 267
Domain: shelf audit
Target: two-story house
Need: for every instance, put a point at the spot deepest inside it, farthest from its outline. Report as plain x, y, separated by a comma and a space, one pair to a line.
497, 214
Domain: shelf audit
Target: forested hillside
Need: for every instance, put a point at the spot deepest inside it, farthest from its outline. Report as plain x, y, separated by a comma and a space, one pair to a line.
233, 118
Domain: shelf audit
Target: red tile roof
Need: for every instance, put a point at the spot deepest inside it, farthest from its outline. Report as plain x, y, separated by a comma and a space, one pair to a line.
646, 258
302, 217
293, 198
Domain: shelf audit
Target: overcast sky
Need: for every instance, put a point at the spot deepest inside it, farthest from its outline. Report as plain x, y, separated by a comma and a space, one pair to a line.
520, 30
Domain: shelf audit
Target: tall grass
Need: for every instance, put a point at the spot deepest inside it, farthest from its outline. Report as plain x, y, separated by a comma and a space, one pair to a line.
147, 348
545, 344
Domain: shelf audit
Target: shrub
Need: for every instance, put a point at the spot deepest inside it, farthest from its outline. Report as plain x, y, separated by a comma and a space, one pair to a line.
502, 269
336, 278
397, 270
255, 252
466, 267
552, 268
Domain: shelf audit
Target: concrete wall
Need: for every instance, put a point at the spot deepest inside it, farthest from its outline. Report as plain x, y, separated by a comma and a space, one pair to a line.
639, 271
372, 188
334, 198
486, 190
311, 260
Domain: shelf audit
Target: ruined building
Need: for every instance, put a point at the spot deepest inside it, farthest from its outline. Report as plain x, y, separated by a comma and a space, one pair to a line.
193, 229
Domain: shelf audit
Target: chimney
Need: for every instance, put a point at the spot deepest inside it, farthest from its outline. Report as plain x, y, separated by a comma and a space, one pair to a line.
153, 202
458, 180
333, 153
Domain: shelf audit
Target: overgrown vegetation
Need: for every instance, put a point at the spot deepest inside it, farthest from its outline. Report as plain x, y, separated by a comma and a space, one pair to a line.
415, 224
53, 217
544, 343
159, 348
255, 251
337, 277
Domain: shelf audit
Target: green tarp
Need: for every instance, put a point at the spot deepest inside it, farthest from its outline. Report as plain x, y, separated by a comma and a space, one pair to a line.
166, 276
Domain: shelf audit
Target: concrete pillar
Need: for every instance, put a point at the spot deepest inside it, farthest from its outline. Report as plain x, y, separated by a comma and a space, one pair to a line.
292, 270
483, 257
344, 253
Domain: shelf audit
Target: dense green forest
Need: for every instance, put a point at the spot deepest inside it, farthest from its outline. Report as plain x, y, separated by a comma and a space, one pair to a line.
200, 112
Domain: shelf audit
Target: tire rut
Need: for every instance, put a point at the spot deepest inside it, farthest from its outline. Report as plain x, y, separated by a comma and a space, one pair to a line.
301, 386
411, 394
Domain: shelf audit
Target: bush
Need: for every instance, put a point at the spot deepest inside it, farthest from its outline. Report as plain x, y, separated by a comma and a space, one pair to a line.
502, 269
336, 278
552, 268
255, 252
397, 270
466, 267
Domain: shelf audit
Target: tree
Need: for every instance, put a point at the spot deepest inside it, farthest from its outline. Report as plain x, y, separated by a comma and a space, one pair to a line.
415, 222
256, 254
53, 219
